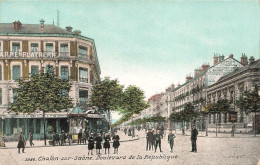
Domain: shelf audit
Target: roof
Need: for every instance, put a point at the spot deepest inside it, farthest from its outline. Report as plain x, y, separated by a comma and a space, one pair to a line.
202, 73
32, 29
255, 64
77, 110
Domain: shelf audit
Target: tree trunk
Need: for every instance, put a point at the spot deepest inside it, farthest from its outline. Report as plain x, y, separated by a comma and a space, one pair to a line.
255, 123
246, 124
206, 125
44, 134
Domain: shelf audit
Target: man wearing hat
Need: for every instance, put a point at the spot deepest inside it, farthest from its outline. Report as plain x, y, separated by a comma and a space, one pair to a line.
193, 138
149, 139
171, 137
157, 138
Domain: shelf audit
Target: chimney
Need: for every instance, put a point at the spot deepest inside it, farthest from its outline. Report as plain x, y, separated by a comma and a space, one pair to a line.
244, 59
188, 78
221, 58
17, 25
251, 60
231, 56
197, 72
204, 67
69, 28
42, 25
77, 32
215, 59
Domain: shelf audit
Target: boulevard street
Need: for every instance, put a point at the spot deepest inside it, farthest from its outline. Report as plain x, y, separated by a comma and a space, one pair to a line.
242, 149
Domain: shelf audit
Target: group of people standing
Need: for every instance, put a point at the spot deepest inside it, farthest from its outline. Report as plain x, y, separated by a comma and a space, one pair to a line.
60, 139
153, 140
106, 145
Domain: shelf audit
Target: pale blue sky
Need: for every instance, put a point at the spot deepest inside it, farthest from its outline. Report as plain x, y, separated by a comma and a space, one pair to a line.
151, 44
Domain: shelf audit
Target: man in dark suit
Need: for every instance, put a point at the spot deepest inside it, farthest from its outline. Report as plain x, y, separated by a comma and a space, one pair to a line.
193, 138
149, 139
157, 140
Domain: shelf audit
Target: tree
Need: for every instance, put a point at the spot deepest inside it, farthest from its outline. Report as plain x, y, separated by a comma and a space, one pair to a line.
252, 103
107, 95
43, 92
133, 100
222, 106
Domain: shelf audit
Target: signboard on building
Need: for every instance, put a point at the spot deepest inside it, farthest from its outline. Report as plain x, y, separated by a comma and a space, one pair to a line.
232, 117
223, 68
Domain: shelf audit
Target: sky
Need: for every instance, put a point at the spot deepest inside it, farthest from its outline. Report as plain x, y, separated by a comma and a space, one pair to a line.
151, 44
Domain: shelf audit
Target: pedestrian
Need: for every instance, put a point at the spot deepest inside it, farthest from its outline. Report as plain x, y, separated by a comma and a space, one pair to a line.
149, 140
84, 139
171, 137
57, 139
183, 130
69, 136
194, 134
125, 130
107, 142
116, 143
91, 143
157, 140
21, 143
62, 138
53, 138
98, 140
133, 132
31, 139
79, 137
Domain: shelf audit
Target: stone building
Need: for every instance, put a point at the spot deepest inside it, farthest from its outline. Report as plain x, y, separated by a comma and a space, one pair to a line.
231, 87
25, 49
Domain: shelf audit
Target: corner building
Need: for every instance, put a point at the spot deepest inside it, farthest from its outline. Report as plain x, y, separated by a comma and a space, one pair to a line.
25, 49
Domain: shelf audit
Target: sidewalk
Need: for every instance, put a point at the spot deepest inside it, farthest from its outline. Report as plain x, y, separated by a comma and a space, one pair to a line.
40, 143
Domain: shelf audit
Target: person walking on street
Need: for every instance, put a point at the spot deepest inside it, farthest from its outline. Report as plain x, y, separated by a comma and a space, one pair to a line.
98, 140
21, 143
183, 130
57, 139
171, 137
133, 132
79, 137
69, 136
91, 143
125, 131
53, 138
107, 142
157, 138
116, 143
149, 140
194, 134
31, 139
84, 138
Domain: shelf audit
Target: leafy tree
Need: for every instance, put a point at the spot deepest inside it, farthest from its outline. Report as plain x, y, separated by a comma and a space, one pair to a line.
133, 100
43, 92
107, 95
222, 106
252, 103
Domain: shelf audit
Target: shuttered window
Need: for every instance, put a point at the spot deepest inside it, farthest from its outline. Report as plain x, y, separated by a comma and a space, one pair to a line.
64, 72
34, 69
16, 72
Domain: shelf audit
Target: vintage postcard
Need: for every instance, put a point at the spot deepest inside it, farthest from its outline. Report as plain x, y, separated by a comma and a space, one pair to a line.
129, 82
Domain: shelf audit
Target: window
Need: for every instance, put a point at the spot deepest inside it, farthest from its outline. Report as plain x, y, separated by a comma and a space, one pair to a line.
15, 94
34, 48
82, 51
225, 118
49, 69
83, 74
64, 73
34, 69
15, 46
49, 47
16, 72
0, 96
64, 49
214, 119
83, 95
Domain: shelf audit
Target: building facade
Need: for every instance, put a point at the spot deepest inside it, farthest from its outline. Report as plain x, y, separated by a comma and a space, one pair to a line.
26, 49
231, 87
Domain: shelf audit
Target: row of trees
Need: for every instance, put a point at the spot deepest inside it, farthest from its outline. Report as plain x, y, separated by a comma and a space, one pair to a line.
248, 102
110, 95
147, 120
